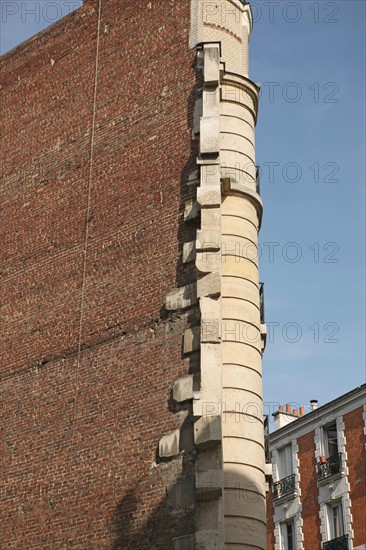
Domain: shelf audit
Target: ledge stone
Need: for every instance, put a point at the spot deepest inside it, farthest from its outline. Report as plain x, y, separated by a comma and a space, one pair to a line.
183, 389
207, 431
169, 444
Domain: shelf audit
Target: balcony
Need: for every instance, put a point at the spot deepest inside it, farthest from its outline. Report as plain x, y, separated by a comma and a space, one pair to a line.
340, 543
261, 302
258, 179
284, 487
331, 467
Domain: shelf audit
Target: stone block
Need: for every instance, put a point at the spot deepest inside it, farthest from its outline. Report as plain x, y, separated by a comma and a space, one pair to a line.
193, 178
180, 298
208, 240
209, 195
191, 210
209, 285
189, 252
169, 444
207, 431
207, 402
210, 320
210, 135
208, 261
197, 114
211, 102
183, 389
181, 495
209, 484
210, 173
211, 67
210, 218
191, 339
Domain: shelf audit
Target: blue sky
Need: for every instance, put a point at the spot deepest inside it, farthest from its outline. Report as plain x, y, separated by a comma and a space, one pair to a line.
309, 57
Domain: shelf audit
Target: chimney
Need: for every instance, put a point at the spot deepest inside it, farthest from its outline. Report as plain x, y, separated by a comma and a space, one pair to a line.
283, 417
302, 411
314, 404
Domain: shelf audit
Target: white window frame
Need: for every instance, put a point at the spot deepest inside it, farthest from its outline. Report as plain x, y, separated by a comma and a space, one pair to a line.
283, 534
330, 515
284, 468
325, 443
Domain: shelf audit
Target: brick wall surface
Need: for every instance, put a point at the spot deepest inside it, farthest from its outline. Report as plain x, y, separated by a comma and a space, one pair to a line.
356, 461
309, 491
88, 354
270, 522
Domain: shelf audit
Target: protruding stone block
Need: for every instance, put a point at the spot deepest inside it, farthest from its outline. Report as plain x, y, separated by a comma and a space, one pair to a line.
209, 484
191, 339
197, 114
180, 298
210, 135
189, 252
207, 431
191, 210
208, 261
211, 102
210, 172
209, 285
210, 218
169, 444
183, 389
211, 68
210, 320
208, 401
209, 195
181, 495
208, 240
193, 177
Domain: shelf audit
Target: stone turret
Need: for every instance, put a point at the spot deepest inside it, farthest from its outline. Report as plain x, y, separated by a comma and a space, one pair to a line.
227, 408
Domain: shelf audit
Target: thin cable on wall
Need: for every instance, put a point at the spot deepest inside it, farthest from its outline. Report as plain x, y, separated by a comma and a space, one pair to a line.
85, 252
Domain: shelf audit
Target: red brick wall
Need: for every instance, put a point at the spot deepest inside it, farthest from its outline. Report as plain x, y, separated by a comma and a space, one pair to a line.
270, 522
354, 432
87, 363
309, 491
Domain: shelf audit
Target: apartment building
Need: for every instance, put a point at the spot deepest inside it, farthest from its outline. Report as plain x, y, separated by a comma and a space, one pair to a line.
317, 496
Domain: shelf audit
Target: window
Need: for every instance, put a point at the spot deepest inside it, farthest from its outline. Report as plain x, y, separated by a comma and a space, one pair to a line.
285, 484
288, 536
335, 520
284, 462
330, 441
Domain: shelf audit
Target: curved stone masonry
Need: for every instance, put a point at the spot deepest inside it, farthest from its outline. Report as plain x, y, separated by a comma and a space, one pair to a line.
227, 398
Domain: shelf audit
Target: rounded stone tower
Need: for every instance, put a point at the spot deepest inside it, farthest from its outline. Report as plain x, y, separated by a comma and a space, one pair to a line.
227, 404
232, 330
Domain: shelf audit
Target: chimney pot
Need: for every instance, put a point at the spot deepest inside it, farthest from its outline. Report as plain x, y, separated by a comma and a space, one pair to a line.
302, 411
280, 408
314, 404
295, 412
288, 408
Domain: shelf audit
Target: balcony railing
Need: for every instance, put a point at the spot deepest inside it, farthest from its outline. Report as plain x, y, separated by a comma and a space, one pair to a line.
258, 179
261, 302
340, 543
332, 466
284, 487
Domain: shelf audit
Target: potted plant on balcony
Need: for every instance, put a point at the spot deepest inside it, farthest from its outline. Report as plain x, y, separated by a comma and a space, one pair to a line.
323, 459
